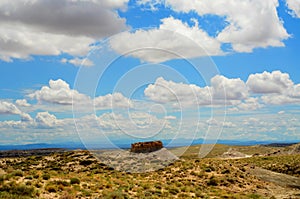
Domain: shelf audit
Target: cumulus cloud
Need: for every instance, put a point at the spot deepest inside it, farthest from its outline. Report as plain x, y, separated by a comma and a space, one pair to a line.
179, 94
260, 89
173, 39
22, 102
230, 89
59, 92
115, 100
252, 24
52, 27
276, 87
42, 120
78, 62
9, 108
222, 91
220, 123
19, 41
294, 5
46, 120
280, 99
249, 104
266, 82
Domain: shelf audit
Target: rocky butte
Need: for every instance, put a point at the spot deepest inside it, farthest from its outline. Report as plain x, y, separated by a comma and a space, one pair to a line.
146, 147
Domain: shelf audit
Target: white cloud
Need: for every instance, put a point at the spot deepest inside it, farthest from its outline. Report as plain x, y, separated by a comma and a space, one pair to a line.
260, 89
249, 104
59, 92
42, 120
266, 82
22, 102
9, 108
170, 117
172, 39
222, 91
179, 94
252, 24
220, 123
230, 89
78, 62
294, 5
212, 122
110, 101
276, 87
18, 41
46, 120
52, 27
279, 99
149, 4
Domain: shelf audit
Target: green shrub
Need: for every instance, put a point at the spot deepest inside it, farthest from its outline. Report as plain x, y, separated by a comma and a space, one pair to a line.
62, 182
117, 194
36, 176
74, 181
46, 176
18, 189
17, 173
212, 181
51, 189
254, 196
174, 191
29, 177
86, 162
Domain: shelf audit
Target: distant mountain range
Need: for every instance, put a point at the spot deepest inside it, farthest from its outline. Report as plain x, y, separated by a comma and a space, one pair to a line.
123, 144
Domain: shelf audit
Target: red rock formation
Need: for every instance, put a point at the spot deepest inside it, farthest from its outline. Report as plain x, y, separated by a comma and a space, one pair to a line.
146, 147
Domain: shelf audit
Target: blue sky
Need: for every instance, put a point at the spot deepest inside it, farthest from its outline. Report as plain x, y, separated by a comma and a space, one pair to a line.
149, 69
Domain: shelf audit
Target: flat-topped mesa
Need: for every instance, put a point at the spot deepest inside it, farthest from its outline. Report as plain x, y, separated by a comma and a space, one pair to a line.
146, 147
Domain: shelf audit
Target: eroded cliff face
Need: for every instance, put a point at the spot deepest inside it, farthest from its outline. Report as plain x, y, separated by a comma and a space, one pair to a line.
146, 147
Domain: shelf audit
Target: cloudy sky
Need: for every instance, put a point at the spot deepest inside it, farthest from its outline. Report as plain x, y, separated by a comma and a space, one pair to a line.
102, 70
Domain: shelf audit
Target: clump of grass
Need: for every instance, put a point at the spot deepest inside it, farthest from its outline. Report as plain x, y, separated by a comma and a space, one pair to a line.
67, 195
36, 176
18, 189
116, 194
17, 173
28, 177
86, 162
46, 176
74, 181
212, 181
254, 196
51, 188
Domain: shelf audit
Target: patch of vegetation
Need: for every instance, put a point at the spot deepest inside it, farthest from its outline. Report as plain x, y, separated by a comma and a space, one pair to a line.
46, 176
13, 189
74, 181
77, 174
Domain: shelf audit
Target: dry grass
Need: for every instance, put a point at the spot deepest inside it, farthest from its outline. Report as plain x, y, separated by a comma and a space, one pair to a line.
77, 174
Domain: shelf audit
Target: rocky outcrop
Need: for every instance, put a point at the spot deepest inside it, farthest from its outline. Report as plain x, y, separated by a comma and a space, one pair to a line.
146, 147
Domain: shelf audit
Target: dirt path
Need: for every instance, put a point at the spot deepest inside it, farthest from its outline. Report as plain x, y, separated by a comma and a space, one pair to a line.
277, 178
287, 186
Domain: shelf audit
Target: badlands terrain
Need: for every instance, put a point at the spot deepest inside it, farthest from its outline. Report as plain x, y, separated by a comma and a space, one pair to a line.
258, 171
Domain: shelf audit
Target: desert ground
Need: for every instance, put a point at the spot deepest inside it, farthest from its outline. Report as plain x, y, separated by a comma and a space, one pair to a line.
258, 171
